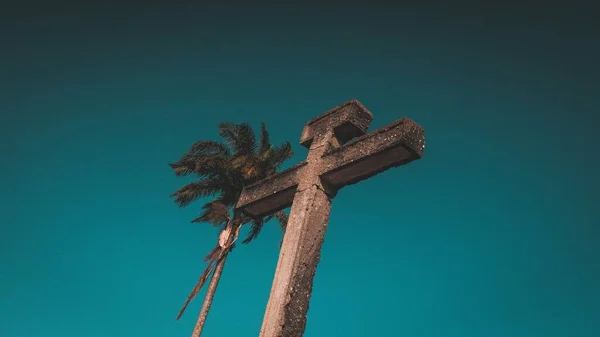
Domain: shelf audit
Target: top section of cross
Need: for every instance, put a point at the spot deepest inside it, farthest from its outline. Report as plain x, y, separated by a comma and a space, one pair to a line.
348, 121
344, 162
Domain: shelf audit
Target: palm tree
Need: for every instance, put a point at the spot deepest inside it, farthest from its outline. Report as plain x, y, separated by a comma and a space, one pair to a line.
223, 169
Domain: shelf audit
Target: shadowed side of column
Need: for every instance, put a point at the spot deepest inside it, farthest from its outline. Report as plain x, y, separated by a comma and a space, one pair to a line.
299, 257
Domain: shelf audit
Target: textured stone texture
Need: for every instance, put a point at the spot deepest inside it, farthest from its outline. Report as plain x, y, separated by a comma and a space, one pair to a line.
271, 194
348, 120
396, 144
300, 250
334, 161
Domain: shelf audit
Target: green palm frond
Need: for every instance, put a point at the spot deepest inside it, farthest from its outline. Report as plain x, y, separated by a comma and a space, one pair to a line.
280, 154
242, 162
183, 168
195, 190
246, 140
209, 146
203, 277
255, 228
265, 141
214, 213
229, 196
213, 255
244, 219
202, 280
202, 152
228, 131
202, 164
240, 137
212, 165
282, 219
257, 224
269, 159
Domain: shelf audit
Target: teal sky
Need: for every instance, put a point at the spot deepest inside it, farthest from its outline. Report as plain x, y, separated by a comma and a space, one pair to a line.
493, 233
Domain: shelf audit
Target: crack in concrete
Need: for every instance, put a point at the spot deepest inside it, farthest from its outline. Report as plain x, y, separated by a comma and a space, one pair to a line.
318, 186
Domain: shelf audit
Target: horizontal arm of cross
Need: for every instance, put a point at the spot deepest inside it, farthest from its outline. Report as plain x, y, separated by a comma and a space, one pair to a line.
396, 144
271, 194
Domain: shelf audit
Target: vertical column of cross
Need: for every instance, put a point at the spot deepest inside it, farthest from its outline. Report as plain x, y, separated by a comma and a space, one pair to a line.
300, 251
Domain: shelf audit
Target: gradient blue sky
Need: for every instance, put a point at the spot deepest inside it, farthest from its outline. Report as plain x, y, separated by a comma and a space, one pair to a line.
493, 233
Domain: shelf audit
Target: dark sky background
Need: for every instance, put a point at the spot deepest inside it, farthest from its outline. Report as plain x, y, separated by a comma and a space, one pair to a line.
493, 233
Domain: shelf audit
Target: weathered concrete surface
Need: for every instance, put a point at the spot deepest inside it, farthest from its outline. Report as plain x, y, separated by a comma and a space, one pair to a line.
348, 120
300, 250
333, 162
272, 193
396, 144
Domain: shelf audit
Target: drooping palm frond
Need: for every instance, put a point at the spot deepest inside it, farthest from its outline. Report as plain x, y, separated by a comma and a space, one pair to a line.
213, 258
282, 219
213, 164
256, 226
214, 213
213, 254
201, 164
197, 189
203, 277
203, 157
183, 168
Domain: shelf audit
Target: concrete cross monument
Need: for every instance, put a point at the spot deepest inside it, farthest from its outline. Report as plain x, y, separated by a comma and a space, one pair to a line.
336, 158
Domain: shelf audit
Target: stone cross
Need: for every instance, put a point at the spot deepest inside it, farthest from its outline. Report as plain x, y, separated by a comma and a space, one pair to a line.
336, 158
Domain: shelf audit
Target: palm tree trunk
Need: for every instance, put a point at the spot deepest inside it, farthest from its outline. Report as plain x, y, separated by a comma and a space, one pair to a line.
210, 294
214, 281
